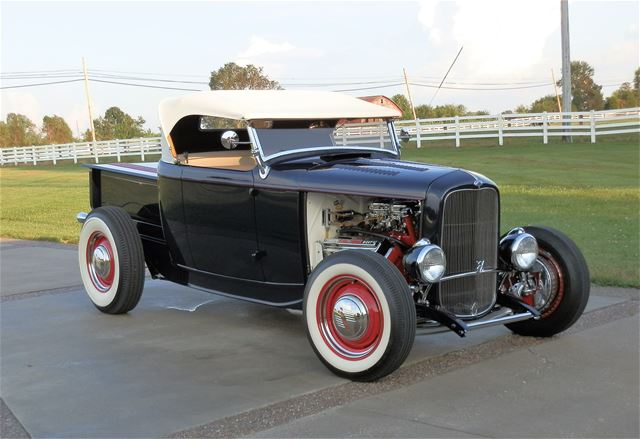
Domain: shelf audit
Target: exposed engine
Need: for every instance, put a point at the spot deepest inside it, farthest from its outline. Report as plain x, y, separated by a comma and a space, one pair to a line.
385, 223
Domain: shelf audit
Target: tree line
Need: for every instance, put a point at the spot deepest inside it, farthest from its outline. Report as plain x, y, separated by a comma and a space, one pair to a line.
587, 94
18, 130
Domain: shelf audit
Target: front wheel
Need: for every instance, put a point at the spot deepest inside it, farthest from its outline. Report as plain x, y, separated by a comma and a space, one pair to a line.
563, 285
360, 315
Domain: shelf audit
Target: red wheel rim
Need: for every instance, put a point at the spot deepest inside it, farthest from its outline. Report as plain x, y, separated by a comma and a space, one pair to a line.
100, 262
349, 317
555, 278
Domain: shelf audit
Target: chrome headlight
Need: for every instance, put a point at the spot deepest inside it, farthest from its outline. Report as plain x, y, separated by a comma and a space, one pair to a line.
520, 248
425, 262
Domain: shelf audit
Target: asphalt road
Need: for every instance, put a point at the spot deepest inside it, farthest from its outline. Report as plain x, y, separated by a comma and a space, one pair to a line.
189, 364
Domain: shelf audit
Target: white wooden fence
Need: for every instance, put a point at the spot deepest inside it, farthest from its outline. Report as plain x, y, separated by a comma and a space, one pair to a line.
142, 147
575, 124
592, 124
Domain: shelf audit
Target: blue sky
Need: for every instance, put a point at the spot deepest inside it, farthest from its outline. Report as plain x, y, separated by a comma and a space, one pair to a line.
309, 43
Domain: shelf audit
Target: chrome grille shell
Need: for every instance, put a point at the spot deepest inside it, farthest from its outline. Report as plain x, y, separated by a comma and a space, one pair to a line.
469, 238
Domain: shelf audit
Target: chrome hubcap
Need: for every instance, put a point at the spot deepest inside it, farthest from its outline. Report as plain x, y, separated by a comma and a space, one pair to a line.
350, 317
101, 261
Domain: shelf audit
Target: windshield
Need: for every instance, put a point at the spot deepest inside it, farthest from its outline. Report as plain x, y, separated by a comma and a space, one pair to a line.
374, 137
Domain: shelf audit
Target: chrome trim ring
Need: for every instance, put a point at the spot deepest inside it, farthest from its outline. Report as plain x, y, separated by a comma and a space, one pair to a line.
550, 284
100, 262
349, 317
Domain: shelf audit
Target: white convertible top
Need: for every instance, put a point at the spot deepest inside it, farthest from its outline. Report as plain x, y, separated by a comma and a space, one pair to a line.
269, 104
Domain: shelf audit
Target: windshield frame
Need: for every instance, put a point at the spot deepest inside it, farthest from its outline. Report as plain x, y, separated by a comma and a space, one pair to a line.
266, 160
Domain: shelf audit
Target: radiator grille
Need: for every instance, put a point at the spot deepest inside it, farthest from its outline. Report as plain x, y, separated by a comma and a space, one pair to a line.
469, 239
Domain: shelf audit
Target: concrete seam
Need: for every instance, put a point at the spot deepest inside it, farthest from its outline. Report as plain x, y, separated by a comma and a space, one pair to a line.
10, 425
298, 407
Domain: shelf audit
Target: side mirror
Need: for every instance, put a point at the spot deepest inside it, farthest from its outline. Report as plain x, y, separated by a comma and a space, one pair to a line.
229, 139
404, 135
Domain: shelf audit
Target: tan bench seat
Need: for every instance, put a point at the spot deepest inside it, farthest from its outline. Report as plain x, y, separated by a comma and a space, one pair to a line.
236, 160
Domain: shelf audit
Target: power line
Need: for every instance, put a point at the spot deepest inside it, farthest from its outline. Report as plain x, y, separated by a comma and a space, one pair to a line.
143, 85
40, 71
134, 78
185, 75
480, 88
452, 84
370, 88
39, 84
8, 78
445, 75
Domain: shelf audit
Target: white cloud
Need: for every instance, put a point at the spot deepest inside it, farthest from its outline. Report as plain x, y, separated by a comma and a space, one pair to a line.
427, 16
274, 56
259, 46
501, 38
23, 103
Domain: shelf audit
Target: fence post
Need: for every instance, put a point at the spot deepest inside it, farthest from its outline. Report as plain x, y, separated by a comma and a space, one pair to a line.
144, 141
53, 154
33, 155
545, 132
75, 153
592, 121
500, 129
418, 134
15, 156
457, 120
118, 150
94, 146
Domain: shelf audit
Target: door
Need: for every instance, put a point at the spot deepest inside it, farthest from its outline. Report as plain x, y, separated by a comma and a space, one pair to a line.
219, 213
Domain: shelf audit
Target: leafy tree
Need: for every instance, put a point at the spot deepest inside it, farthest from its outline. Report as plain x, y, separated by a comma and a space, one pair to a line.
547, 103
477, 113
18, 130
423, 112
449, 110
624, 97
521, 109
116, 124
636, 80
429, 112
231, 76
401, 101
587, 95
56, 130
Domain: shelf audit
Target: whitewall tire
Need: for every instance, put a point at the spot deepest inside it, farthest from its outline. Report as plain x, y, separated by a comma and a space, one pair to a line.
111, 260
359, 314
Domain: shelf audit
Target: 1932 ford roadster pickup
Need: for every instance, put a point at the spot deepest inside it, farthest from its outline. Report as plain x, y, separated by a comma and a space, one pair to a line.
279, 198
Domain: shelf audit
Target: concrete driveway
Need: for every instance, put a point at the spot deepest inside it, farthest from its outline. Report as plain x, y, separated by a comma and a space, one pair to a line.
190, 364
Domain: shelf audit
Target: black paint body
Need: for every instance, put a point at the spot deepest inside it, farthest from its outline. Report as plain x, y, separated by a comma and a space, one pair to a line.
235, 233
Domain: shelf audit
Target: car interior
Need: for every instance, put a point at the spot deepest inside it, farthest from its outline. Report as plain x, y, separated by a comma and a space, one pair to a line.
197, 141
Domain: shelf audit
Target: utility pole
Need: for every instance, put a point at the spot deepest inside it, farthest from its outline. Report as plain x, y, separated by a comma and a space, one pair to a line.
86, 91
566, 61
406, 84
555, 87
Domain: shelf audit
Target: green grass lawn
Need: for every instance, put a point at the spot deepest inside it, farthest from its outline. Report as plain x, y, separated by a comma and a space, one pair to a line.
589, 191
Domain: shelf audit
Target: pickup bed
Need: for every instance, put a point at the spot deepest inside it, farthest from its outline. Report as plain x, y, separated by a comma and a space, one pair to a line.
134, 188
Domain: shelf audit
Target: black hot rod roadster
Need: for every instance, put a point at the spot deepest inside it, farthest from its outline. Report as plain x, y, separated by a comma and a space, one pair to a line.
300, 200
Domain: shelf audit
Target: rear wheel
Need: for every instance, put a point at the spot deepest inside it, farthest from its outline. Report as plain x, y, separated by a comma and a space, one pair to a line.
111, 260
360, 315
563, 284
